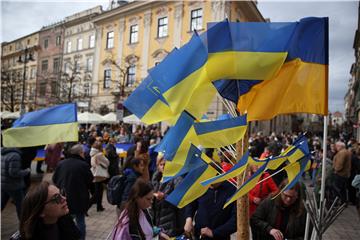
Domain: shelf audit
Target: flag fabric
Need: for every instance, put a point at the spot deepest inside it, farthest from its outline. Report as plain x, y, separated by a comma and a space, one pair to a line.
45, 126
301, 85
190, 188
294, 172
220, 133
191, 162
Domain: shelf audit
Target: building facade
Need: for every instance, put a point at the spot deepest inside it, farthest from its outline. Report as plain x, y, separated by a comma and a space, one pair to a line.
12, 72
51, 44
136, 36
79, 57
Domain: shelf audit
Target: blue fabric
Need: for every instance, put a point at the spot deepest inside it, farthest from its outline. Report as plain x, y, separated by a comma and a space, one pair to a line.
80, 223
65, 113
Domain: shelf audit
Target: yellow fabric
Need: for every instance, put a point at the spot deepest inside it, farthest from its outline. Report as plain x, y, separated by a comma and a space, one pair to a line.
244, 190
40, 135
222, 138
174, 166
298, 87
197, 190
244, 65
158, 111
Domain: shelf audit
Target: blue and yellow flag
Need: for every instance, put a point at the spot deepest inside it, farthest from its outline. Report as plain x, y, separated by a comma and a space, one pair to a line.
45, 126
190, 188
301, 85
220, 133
193, 160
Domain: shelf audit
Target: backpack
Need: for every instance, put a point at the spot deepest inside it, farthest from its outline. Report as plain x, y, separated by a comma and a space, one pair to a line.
115, 189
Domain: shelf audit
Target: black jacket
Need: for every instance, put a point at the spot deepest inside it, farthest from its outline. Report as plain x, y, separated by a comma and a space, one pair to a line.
12, 175
264, 219
74, 176
210, 212
131, 177
165, 215
111, 154
64, 229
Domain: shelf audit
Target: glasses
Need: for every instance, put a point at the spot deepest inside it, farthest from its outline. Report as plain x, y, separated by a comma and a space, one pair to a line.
57, 198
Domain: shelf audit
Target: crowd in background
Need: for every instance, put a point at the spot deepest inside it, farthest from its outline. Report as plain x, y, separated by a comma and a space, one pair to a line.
82, 170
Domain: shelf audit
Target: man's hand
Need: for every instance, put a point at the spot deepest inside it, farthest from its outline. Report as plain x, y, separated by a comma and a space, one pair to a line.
188, 226
277, 234
257, 200
206, 232
159, 195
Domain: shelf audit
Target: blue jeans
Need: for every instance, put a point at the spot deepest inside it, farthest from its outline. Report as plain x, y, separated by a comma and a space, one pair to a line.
80, 223
16, 195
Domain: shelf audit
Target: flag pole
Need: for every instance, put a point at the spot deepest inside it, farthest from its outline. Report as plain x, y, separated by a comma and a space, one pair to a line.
323, 169
242, 203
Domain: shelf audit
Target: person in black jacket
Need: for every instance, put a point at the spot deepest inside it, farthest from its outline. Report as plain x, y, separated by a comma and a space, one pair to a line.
74, 176
212, 221
110, 153
280, 218
45, 215
166, 216
13, 177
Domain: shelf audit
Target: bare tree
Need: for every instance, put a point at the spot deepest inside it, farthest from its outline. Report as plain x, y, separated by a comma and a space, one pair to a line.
10, 89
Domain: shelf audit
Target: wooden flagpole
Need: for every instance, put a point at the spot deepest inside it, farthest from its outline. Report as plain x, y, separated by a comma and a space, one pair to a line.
243, 202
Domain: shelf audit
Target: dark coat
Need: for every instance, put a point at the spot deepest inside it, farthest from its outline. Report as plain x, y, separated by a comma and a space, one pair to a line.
131, 177
165, 215
264, 219
210, 212
65, 229
12, 175
74, 175
113, 157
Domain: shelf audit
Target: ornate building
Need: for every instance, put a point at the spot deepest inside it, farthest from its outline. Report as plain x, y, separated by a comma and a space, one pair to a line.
13, 68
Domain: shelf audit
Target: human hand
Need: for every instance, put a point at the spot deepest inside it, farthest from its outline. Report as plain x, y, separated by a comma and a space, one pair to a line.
277, 234
257, 200
159, 195
188, 226
206, 232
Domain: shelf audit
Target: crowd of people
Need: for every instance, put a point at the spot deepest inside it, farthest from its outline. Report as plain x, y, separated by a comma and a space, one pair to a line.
80, 172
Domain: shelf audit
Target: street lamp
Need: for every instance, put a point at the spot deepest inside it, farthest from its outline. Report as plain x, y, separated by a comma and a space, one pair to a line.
27, 57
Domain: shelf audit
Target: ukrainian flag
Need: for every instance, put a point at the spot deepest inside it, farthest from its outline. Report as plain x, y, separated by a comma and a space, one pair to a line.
301, 85
45, 126
190, 188
220, 133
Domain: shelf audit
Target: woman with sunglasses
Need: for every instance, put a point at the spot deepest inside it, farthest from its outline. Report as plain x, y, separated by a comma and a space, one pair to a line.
45, 215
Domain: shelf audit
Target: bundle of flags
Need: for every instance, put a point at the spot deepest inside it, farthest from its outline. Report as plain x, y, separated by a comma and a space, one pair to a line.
49, 125
264, 68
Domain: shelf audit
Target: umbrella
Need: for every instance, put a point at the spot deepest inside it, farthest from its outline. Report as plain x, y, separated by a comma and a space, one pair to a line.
110, 118
87, 117
10, 115
132, 119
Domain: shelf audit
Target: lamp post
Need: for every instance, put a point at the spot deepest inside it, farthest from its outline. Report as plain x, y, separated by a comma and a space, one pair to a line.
27, 57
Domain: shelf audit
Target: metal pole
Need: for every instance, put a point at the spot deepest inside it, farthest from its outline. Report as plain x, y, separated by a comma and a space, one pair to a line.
22, 106
323, 169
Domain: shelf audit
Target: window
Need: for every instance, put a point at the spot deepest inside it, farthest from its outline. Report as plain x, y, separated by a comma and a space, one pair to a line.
130, 76
110, 40
54, 88
196, 19
44, 65
66, 68
107, 78
32, 73
79, 44
31, 92
68, 47
77, 67
134, 30
46, 43
92, 41
86, 89
56, 66
10, 48
162, 27
42, 89
28, 42
89, 64
58, 40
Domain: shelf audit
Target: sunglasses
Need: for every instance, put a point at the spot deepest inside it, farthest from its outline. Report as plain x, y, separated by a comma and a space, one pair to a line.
57, 198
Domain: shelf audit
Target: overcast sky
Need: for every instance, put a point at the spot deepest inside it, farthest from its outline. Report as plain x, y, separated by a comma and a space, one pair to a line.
19, 18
